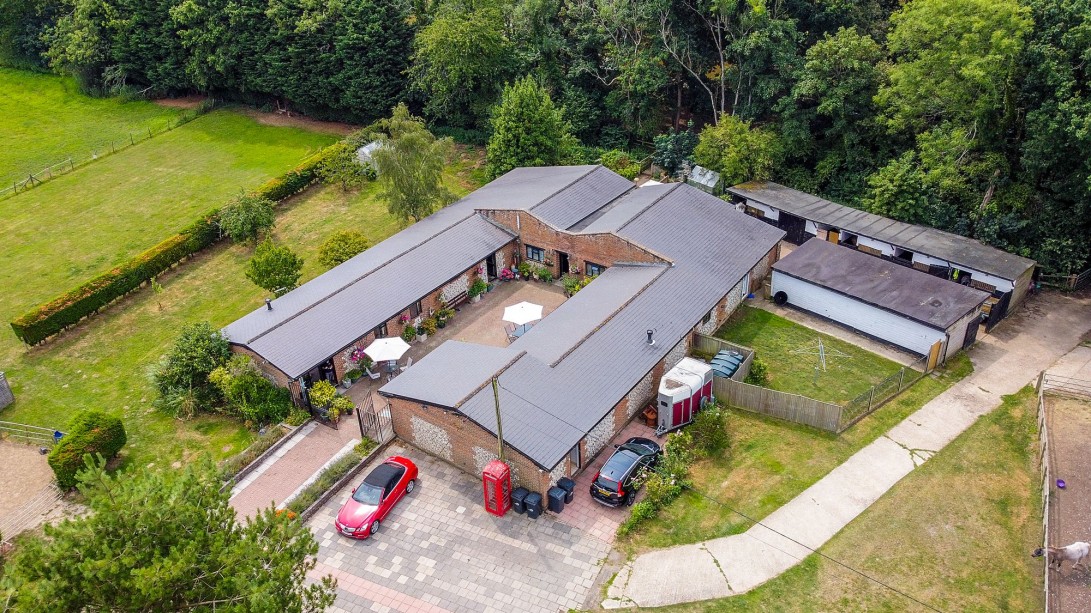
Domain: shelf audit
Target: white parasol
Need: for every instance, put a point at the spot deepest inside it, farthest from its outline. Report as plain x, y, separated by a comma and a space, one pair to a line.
386, 349
523, 313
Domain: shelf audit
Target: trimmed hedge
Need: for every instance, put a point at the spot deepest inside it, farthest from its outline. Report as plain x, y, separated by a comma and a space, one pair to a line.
48, 319
91, 432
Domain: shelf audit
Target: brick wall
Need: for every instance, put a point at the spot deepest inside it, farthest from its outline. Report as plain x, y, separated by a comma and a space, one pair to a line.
602, 249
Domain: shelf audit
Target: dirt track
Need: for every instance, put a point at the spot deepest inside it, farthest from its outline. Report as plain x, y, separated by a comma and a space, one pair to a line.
24, 474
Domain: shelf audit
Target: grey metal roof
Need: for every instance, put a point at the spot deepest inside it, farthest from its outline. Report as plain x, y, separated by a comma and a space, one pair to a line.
620, 211
547, 409
581, 191
294, 341
958, 250
312, 334
932, 301
451, 373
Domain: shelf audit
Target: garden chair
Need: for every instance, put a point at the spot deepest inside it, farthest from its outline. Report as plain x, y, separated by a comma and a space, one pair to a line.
408, 363
509, 329
372, 375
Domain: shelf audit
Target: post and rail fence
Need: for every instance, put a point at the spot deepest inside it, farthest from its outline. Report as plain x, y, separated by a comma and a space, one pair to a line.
1045, 461
1069, 283
828, 416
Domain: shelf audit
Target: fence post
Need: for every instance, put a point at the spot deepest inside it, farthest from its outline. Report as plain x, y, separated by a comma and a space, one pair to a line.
901, 378
131, 141
1041, 379
870, 398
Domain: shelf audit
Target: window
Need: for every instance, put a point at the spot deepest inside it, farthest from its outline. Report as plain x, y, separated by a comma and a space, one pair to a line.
707, 318
535, 254
415, 309
594, 270
380, 332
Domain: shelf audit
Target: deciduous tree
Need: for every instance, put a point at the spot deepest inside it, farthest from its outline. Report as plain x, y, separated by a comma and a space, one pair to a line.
341, 247
528, 130
410, 164
274, 268
246, 217
738, 151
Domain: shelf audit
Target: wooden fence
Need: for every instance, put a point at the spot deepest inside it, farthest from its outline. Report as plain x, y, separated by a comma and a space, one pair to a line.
1046, 464
710, 346
1067, 282
782, 405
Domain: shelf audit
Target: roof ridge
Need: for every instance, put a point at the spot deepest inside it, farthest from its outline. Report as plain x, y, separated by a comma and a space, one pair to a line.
666, 193
613, 313
494, 375
359, 278
563, 188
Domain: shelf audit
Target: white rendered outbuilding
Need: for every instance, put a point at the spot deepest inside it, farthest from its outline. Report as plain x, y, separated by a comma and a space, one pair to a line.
893, 303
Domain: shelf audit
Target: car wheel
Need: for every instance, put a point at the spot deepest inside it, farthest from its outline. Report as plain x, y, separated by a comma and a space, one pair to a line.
630, 498
409, 486
374, 526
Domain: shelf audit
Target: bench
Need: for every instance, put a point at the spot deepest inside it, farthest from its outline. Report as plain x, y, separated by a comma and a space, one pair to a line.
457, 299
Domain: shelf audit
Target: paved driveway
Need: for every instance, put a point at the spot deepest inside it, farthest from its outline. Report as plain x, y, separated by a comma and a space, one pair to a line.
440, 551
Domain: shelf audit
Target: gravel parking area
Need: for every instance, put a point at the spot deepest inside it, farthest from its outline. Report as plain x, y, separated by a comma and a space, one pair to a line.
440, 551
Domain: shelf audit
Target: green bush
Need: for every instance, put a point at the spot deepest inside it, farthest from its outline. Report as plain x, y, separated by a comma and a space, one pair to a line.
409, 334
354, 374
248, 393
571, 284
622, 163
322, 394
91, 432
274, 268
246, 217
198, 350
49, 318
545, 275
478, 287
665, 483
709, 431
759, 373
341, 247
428, 326
296, 417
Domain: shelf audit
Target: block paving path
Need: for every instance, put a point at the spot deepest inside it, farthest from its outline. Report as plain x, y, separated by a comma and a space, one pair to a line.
1004, 361
439, 551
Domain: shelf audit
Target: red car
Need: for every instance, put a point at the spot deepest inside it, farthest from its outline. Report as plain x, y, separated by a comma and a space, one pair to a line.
370, 503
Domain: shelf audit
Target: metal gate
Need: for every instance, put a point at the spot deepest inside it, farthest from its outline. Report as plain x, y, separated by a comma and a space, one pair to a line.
375, 423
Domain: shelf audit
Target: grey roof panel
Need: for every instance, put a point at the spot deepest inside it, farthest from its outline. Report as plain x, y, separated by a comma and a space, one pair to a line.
958, 250
451, 373
932, 301
582, 198
621, 211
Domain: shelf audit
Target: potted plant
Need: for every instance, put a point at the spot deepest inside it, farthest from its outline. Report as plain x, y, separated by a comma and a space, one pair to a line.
351, 376
545, 275
524, 269
478, 287
409, 334
506, 274
422, 334
428, 326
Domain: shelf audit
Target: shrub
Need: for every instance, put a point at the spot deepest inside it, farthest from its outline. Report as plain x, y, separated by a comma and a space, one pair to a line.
247, 216
326, 479
622, 163
248, 393
759, 373
571, 284
296, 417
545, 275
709, 430
341, 247
91, 432
354, 374
524, 268
409, 334
198, 350
340, 165
274, 268
428, 326
322, 393
339, 406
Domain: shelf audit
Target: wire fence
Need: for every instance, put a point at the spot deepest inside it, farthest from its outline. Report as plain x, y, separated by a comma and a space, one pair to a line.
882, 392
23, 183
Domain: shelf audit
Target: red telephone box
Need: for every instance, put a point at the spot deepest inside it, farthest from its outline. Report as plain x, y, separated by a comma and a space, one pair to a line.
496, 479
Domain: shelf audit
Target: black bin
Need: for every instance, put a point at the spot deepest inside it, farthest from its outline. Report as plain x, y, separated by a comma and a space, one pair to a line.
556, 499
569, 487
518, 499
533, 502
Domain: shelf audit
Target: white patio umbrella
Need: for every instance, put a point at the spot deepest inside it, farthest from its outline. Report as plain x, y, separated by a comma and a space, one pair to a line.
386, 349
523, 313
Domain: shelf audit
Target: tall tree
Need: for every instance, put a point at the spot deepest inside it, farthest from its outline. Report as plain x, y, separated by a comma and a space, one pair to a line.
528, 130
460, 61
166, 541
738, 151
410, 162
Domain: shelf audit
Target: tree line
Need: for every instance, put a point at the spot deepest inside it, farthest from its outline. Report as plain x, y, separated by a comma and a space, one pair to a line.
968, 115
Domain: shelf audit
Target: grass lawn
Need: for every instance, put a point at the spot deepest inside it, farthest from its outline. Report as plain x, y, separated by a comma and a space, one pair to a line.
770, 462
73, 227
44, 119
103, 362
791, 353
956, 533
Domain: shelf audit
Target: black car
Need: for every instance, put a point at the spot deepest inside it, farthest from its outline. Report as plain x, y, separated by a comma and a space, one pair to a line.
613, 485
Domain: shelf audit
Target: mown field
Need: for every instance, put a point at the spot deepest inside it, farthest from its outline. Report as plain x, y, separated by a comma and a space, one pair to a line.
955, 534
103, 363
44, 119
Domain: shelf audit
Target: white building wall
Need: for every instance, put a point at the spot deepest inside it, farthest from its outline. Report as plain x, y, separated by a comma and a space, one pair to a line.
1003, 285
770, 213
957, 333
885, 248
881, 324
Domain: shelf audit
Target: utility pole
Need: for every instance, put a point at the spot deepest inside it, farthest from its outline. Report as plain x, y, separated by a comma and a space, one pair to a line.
499, 426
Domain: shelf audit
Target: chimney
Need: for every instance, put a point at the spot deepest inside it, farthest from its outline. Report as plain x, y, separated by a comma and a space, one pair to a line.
651, 341
269, 305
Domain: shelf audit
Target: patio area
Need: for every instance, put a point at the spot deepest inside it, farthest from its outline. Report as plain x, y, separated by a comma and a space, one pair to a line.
481, 322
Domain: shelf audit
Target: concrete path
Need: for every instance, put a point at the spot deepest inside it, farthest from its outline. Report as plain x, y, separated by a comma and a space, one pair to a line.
1004, 362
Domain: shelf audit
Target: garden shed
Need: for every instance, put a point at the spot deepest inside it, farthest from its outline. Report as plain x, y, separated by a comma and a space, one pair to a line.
893, 303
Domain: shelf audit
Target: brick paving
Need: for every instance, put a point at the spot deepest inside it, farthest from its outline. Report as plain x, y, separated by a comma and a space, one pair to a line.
279, 478
583, 513
440, 551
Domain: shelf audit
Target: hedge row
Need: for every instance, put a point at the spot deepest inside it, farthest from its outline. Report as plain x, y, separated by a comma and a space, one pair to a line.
91, 432
48, 319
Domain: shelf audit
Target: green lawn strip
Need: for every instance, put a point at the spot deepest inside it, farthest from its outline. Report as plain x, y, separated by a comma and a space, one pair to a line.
103, 363
770, 462
44, 119
60, 234
331, 475
791, 353
981, 493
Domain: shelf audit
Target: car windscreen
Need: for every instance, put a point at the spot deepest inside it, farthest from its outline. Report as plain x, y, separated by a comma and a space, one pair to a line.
368, 494
615, 468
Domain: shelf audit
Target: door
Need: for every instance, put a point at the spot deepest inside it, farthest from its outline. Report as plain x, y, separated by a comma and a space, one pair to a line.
971, 333
796, 227
834, 236
562, 262
934, 354
676, 415
687, 410
490, 266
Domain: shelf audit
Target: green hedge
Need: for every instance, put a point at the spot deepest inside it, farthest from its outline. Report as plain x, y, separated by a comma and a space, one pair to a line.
48, 319
91, 432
